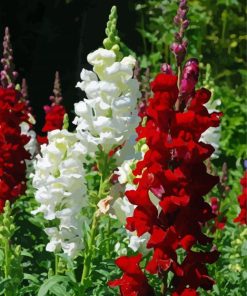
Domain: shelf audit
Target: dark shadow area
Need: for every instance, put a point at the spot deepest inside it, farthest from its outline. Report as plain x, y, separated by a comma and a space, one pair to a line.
54, 35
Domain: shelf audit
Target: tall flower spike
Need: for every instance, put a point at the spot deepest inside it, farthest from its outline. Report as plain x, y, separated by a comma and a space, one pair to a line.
173, 170
59, 179
179, 47
108, 116
112, 41
57, 91
13, 155
54, 114
8, 74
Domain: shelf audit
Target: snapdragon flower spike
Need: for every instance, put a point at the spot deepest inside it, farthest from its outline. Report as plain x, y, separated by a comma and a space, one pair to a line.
59, 179
173, 169
242, 199
12, 145
108, 116
133, 281
8, 79
8, 74
179, 47
54, 114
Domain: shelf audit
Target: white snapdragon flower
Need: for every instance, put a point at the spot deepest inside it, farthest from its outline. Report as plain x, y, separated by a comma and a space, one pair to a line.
212, 134
108, 116
123, 209
59, 179
32, 145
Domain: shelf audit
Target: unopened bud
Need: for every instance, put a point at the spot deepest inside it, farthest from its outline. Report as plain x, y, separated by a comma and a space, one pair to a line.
185, 24
179, 51
183, 13
176, 20
183, 4
47, 108
15, 74
177, 36
166, 68
189, 76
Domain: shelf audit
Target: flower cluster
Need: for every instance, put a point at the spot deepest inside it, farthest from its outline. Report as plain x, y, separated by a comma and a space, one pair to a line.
12, 151
173, 170
242, 199
134, 281
108, 116
54, 114
8, 78
61, 190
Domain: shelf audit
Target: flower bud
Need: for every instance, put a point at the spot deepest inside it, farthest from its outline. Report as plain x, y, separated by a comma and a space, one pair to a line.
15, 74
166, 68
179, 51
176, 20
183, 4
46, 108
185, 24
183, 13
189, 76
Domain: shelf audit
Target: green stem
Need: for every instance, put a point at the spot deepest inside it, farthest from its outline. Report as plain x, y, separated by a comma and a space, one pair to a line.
56, 264
223, 33
6, 265
89, 252
164, 285
88, 256
108, 247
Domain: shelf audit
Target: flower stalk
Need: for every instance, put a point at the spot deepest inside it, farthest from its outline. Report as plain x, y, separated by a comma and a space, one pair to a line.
12, 269
93, 231
88, 257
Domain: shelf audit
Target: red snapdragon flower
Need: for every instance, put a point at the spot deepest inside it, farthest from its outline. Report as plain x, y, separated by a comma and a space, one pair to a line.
53, 120
242, 199
173, 169
133, 281
54, 114
13, 112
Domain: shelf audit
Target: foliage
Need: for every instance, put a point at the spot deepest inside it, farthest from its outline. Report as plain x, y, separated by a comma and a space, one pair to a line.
217, 36
217, 30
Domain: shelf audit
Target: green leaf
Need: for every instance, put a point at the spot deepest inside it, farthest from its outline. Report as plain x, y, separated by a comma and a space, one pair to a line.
58, 290
31, 278
3, 284
49, 283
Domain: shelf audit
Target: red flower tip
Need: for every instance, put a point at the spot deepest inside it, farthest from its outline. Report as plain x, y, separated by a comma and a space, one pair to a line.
133, 282
164, 82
